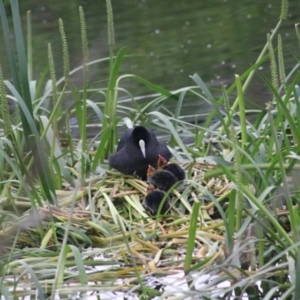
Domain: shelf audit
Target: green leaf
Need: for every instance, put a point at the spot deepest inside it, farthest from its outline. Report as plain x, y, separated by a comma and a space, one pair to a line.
192, 235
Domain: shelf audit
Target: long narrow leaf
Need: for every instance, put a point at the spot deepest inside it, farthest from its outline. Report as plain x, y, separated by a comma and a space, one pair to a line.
192, 235
9, 48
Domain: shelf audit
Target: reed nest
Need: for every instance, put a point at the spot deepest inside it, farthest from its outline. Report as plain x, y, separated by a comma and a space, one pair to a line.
108, 213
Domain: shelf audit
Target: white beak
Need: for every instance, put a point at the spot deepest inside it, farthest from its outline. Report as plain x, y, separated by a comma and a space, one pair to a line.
142, 146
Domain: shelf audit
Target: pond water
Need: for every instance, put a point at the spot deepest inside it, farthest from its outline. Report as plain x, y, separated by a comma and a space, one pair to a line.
167, 40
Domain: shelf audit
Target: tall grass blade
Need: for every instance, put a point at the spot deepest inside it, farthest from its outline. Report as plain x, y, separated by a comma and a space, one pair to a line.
258, 62
294, 220
83, 117
285, 111
4, 291
156, 88
21, 53
43, 170
80, 264
192, 234
283, 237
57, 152
242, 110
297, 286
29, 271
100, 153
5, 110
29, 46
110, 107
41, 162
9, 47
297, 33
175, 134
22, 93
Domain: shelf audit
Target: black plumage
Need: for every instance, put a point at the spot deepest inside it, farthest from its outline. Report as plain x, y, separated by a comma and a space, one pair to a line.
153, 200
161, 179
174, 168
137, 149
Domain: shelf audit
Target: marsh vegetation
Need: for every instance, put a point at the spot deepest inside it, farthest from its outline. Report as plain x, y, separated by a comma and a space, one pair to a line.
72, 227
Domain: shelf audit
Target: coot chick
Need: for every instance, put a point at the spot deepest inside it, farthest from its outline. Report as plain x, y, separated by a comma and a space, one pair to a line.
153, 200
137, 149
174, 168
161, 179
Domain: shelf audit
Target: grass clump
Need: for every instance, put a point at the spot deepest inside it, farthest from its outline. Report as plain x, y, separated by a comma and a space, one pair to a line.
236, 215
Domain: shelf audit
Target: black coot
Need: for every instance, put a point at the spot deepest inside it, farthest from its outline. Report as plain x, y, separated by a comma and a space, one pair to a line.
153, 199
137, 149
174, 168
161, 179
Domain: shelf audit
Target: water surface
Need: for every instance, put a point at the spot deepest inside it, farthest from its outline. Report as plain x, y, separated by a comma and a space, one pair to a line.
167, 40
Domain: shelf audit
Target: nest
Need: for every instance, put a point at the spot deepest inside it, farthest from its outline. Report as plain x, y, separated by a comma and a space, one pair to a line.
109, 209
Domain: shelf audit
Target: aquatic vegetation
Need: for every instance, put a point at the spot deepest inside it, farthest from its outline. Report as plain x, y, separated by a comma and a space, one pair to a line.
68, 221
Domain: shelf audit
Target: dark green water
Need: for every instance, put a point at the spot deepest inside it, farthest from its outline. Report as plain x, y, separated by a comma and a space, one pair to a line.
168, 40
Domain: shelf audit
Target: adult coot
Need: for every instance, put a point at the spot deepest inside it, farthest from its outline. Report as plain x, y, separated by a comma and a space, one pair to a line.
153, 200
162, 179
174, 168
137, 149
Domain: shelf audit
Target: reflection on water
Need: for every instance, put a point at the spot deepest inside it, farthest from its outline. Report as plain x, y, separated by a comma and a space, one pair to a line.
169, 40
